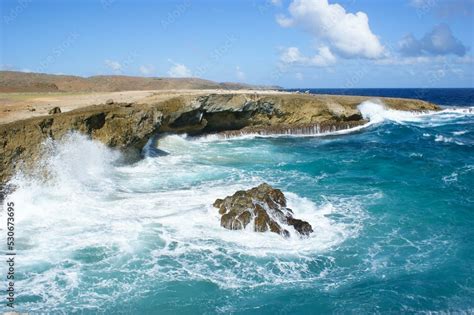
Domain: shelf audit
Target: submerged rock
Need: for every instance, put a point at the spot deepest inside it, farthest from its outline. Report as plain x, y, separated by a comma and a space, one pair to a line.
265, 206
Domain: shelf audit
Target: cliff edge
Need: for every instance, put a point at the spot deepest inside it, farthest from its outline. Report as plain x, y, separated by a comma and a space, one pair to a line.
128, 126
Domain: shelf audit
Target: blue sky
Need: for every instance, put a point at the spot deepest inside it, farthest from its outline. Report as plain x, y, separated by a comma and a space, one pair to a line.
291, 43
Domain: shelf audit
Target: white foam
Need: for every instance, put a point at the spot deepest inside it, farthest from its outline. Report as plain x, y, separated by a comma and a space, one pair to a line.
287, 134
377, 113
441, 138
155, 219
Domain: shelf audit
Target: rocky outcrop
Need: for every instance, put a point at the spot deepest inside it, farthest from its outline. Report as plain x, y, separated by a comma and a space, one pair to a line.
122, 127
263, 207
279, 113
128, 126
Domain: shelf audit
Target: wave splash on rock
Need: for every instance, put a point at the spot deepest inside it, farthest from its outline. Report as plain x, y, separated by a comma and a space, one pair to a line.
265, 206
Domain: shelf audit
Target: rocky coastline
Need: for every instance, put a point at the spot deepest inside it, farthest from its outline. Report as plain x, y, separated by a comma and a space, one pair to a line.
128, 126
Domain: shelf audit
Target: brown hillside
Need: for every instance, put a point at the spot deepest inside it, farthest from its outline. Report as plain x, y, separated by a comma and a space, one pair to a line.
13, 81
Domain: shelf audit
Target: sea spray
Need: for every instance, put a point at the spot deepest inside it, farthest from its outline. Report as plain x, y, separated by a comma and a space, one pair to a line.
92, 221
390, 207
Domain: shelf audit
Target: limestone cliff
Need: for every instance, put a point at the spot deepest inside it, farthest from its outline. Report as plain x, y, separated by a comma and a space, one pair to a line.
269, 113
121, 126
129, 126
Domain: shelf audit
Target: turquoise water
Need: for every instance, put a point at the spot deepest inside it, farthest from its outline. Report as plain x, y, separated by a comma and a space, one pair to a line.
391, 205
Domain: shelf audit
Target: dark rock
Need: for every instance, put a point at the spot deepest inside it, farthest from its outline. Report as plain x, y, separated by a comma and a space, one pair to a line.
303, 227
218, 203
263, 205
54, 110
109, 102
95, 121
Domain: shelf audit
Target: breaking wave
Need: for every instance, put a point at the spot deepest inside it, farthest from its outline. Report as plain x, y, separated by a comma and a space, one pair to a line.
154, 219
97, 231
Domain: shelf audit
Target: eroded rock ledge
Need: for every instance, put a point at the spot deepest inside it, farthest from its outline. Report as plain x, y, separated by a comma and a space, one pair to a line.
128, 126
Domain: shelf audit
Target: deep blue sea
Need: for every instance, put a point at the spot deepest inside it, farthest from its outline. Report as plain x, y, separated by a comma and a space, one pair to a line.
391, 205
449, 97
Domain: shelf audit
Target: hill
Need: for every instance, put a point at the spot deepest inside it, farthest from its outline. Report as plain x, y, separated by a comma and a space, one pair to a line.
14, 81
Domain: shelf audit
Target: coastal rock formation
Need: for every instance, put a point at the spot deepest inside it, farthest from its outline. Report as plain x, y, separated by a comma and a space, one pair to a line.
264, 206
267, 113
121, 127
128, 126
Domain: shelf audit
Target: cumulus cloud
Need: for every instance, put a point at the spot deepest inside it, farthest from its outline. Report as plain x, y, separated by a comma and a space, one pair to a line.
179, 70
439, 41
347, 34
324, 57
113, 65
239, 73
146, 69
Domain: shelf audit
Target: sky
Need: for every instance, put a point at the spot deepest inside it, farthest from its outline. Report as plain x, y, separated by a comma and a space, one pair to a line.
289, 43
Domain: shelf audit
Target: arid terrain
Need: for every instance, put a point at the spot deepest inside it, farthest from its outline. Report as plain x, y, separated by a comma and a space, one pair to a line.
126, 120
14, 81
17, 106
24, 95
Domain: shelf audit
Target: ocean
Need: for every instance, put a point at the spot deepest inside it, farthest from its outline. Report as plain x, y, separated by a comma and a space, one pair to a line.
391, 205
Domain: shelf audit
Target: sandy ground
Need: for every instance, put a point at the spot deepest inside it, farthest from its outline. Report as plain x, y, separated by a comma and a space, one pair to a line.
17, 106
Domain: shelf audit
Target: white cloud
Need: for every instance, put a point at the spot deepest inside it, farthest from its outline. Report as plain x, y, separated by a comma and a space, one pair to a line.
439, 41
407, 60
324, 57
292, 55
113, 65
146, 69
346, 33
432, 60
299, 76
284, 21
179, 70
239, 73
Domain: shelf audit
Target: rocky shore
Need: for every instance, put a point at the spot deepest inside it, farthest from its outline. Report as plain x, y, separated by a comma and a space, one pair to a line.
128, 125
